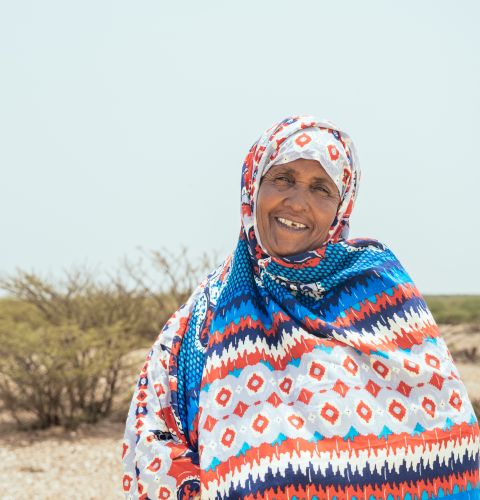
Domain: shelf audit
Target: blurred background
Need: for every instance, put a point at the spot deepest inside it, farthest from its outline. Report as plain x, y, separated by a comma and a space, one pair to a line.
123, 127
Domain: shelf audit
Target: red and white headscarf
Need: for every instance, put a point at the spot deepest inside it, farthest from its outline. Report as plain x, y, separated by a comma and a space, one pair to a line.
309, 138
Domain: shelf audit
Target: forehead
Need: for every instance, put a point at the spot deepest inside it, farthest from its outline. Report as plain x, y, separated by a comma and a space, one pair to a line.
308, 169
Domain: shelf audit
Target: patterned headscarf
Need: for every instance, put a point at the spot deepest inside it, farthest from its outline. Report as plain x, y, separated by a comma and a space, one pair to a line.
309, 138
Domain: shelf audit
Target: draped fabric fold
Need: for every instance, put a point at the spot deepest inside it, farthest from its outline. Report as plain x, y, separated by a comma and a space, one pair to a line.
321, 375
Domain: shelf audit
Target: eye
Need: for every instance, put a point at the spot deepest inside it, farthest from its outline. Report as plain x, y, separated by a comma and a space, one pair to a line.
321, 188
283, 180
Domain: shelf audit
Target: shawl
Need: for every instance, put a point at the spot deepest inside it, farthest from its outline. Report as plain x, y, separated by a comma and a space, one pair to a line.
320, 375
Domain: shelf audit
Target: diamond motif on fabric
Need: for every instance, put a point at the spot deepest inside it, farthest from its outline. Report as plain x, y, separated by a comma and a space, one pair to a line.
210, 423
126, 482
411, 366
296, 421
372, 388
330, 413
164, 493
397, 410
432, 361
350, 365
260, 423
437, 381
305, 396
141, 395
364, 411
455, 400
228, 437
286, 385
429, 406
223, 396
240, 409
381, 369
255, 383
303, 139
274, 399
341, 388
333, 152
141, 410
404, 388
155, 465
317, 370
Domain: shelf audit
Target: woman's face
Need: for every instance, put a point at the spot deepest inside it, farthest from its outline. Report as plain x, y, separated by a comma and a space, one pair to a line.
297, 203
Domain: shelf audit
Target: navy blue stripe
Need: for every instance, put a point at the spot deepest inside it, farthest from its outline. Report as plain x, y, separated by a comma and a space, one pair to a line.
291, 476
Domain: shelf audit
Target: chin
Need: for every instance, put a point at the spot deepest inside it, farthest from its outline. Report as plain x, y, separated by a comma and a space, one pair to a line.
288, 252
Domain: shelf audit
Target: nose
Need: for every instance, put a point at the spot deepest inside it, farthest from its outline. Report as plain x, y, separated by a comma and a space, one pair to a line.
297, 200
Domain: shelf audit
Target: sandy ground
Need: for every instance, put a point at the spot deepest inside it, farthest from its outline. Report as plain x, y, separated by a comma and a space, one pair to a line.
53, 464
85, 464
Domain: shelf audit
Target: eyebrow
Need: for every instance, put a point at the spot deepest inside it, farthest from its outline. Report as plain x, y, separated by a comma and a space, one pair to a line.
289, 170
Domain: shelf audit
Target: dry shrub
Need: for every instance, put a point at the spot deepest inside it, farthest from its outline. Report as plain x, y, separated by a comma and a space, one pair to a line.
64, 344
59, 374
455, 309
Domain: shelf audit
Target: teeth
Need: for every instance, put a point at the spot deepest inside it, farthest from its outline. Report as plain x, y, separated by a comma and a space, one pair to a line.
291, 223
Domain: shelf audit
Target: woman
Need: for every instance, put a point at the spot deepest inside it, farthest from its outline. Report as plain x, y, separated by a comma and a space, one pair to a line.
307, 365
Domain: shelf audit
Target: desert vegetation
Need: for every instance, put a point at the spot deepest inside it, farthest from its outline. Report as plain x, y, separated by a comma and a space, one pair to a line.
66, 344
455, 309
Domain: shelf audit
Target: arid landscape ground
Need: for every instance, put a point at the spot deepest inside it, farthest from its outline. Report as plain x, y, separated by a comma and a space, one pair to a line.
85, 463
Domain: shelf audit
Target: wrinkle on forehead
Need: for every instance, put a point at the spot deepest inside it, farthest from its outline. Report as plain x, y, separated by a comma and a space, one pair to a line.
320, 174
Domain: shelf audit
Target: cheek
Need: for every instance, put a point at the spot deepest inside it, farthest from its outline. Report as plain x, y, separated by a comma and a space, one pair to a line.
265, 202
325, 214
262, 215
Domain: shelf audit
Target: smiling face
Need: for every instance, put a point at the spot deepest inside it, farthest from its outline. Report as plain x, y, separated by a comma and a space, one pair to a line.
297, 203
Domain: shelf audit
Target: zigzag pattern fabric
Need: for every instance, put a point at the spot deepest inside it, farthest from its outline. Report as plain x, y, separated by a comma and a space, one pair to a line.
321, 376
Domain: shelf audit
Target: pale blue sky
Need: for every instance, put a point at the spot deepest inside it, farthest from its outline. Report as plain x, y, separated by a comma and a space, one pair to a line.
124, 124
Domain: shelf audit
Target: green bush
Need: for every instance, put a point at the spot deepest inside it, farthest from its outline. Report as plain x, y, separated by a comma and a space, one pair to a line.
63, 344
59, 374
454, 309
